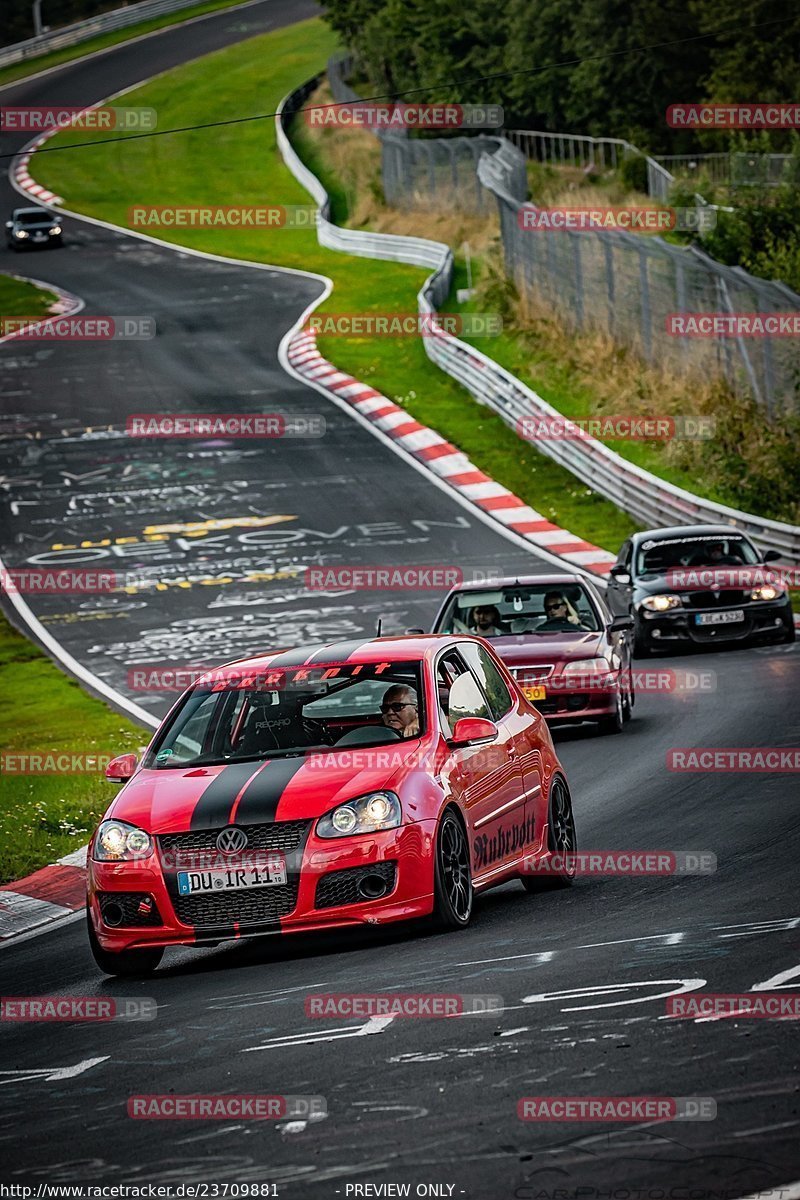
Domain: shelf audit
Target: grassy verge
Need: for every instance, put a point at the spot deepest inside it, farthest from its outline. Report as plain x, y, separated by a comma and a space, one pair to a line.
18, 298
55, 58
105, 181
44, 817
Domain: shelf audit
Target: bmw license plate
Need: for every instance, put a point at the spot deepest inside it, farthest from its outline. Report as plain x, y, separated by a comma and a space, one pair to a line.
534, 691
233, 879
39, 237
720, 618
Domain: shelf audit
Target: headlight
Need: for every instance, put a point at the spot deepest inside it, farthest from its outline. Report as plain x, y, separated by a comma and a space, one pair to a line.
117, 841
20, 233
587, 666
56, 229
767, 591
661, 603
368, 814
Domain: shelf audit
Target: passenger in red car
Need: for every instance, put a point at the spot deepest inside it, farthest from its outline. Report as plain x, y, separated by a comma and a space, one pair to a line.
399, 710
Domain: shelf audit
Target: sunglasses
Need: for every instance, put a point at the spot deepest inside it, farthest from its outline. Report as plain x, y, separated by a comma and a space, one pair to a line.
558, 604
397, 706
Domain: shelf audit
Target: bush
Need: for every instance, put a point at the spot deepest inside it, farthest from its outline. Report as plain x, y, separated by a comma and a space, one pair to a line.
633, 172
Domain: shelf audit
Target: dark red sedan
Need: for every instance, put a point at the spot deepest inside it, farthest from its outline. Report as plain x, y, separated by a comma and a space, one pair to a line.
556, 635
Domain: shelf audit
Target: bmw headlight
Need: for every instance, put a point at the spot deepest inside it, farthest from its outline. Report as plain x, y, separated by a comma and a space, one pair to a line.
661, 603
20, 233
117, 841
367, 814
56, 229
767, 591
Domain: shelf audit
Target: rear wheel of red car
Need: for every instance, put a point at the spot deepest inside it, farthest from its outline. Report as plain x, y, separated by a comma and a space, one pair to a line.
133, 963
452, 876
561, 840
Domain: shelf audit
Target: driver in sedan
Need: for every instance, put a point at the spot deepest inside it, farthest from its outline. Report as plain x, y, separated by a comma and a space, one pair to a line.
400, 711
560, 616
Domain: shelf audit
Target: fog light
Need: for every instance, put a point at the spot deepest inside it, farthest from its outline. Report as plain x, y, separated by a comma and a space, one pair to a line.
655, 633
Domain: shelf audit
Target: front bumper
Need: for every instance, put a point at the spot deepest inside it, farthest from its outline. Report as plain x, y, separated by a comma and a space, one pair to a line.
317, 894
765, 618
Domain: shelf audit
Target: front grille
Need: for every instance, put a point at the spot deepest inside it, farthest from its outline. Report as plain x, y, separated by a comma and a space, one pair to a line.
256, 906
128, 903
281, 835
341, 887
534, 674
727, 598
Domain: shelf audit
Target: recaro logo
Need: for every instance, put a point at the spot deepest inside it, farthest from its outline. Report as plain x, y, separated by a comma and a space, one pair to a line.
231, 840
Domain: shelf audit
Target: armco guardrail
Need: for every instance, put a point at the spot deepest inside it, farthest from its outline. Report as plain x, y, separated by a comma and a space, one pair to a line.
645, 497
72, 35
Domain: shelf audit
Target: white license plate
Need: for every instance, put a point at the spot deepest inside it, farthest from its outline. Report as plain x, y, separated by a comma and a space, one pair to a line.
39, 237
721, 618
232, 879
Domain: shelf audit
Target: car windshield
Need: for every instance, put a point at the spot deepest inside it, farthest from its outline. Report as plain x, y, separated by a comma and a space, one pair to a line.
34, 218
656, 556
543, 608
249, 715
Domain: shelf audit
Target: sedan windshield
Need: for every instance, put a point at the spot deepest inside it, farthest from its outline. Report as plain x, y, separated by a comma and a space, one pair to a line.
659, 555
250, 715
521, 609
35, 218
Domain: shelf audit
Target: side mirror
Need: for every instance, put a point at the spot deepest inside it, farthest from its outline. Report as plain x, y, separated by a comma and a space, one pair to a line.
473, 731
9, 224
621, 624
121, 768
620, 573
415, 631
770, 556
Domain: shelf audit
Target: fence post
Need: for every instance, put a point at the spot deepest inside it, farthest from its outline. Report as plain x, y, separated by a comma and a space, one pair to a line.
644, 294
608, 251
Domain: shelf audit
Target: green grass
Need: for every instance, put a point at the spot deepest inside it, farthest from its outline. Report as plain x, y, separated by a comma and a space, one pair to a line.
44, 817
55, 58
241, 164
18, 298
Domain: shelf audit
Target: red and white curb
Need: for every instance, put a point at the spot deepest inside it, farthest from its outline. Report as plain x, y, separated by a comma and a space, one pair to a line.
444, 460
64, 305
48, 895
24, 179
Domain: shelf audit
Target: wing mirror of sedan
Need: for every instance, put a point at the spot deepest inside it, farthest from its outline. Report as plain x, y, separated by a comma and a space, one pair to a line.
415, 630
473, 731
770, 556
121, 768
621, 624
620, 573
9, 224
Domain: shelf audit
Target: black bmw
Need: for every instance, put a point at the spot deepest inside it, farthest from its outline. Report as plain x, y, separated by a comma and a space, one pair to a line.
31, 227
698, 584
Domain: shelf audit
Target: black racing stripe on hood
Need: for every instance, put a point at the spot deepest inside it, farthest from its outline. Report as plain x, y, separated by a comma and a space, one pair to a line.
213, 809
259, 804
339, 653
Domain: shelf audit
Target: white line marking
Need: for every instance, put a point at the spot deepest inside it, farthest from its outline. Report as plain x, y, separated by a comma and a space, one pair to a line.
373, 1025
52, 1074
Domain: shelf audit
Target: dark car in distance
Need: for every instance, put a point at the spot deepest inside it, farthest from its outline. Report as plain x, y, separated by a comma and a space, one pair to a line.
698, 585
31, 227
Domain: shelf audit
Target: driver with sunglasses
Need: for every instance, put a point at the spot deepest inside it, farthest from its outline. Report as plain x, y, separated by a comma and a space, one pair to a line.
560, 616
399, 710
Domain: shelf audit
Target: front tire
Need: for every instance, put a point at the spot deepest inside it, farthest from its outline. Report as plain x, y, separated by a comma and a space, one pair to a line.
615, 722
561, 839
131, 963
453, 895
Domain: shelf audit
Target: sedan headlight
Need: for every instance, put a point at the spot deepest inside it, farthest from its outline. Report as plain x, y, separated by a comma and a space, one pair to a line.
367, 814
56, 229
767, 591
587, 666
661, 603
117, 841
20, 233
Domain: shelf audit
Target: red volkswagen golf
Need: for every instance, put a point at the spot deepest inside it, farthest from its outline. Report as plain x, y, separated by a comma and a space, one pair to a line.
329, 786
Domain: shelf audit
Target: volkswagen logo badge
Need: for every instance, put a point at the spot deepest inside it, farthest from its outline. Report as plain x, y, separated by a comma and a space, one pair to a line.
231, 840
